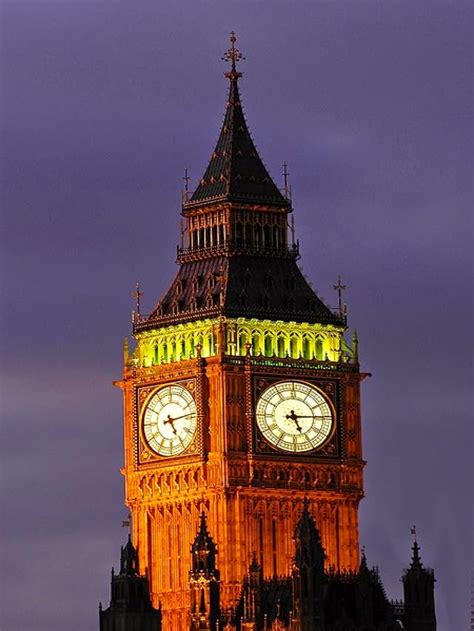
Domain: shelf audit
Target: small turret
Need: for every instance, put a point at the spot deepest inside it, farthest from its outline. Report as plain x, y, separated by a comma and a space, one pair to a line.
308, 574
418, 587
204, 581
130, 604
128, 559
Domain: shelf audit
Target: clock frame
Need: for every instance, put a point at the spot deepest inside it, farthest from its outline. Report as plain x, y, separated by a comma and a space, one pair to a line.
331, 448
294, 416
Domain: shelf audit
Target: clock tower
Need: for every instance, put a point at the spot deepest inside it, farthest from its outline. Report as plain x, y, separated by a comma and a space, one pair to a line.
241, 396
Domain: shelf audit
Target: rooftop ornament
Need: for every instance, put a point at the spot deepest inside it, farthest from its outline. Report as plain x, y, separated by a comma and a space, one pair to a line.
233, 55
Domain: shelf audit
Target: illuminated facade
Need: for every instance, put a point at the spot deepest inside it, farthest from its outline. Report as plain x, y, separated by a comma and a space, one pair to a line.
241, 412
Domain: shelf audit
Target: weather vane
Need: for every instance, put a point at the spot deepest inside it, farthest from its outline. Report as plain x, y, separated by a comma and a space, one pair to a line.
233, 55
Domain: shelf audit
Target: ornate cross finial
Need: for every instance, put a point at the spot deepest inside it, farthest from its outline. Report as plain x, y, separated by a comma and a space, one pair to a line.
413, 532
186, 179
233, 55
286, 182
339, 287
137, 294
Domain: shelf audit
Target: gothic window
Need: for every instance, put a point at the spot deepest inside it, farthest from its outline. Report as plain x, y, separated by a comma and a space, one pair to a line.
276, 239
306, 348
155, 353
243, 338
268, 345
239, 234
246, 278
281, 347
258, 236
319, 349
294, 347
248, 235
266, 236
256, 344
269, 282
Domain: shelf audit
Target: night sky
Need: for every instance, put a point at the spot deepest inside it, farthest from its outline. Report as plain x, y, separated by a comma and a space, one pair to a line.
103, 104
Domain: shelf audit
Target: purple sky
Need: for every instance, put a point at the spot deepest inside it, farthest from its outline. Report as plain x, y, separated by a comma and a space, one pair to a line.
102, 106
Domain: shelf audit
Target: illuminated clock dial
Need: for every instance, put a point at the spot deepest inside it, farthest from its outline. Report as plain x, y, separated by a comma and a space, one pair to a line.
294, 416
170, 420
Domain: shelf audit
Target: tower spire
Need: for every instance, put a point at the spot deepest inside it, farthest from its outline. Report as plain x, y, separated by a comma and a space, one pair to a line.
235, 171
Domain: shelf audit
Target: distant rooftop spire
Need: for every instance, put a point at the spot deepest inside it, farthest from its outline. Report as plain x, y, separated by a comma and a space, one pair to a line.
416, 559
129, 559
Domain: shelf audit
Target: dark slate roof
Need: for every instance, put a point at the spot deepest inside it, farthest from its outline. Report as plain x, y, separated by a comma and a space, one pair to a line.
236, 171
240, 286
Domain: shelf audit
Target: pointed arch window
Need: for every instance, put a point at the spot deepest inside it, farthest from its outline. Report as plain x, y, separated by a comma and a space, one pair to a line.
319, 349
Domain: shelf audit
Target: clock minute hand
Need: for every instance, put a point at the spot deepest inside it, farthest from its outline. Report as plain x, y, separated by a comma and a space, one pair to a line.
303, 416
176, 418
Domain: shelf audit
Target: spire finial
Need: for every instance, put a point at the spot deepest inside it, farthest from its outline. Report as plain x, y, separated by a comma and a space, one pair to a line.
186, 179
137, 294
339, 287
233, 55
286, 182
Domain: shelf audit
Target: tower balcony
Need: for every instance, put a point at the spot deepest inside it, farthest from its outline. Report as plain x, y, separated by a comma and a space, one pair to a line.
186, 255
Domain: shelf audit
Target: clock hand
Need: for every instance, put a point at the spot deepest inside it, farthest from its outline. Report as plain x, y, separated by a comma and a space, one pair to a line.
294, 417
303, 416
176, 418
171, 421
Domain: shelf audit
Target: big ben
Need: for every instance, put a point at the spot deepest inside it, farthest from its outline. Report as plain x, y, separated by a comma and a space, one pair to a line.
241, 395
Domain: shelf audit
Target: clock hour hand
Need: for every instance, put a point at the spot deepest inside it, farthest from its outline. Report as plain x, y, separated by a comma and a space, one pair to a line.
294, 417
171, 421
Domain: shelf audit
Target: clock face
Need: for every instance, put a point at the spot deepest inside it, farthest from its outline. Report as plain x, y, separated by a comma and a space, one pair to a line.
294, 416
170, 420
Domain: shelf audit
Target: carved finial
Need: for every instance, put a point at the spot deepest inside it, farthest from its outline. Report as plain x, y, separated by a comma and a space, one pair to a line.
233, 55
339, 287
186, 179
413, 532
126, 352
137, 294
286, 182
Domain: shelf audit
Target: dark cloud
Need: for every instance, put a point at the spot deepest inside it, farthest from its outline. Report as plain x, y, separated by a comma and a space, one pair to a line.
103, 105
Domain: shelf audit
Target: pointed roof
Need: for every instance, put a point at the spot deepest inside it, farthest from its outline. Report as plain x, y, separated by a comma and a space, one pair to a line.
309, 549
416, 568
235, 171
416, 559
203, 549
129, 559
